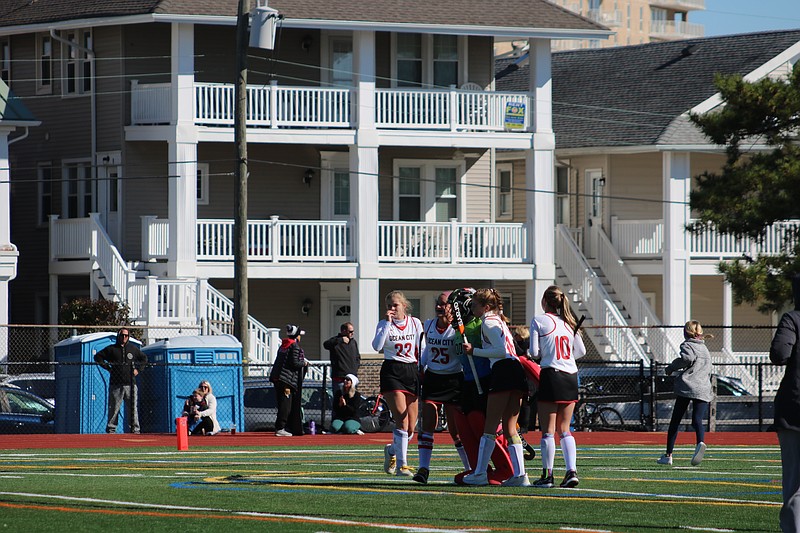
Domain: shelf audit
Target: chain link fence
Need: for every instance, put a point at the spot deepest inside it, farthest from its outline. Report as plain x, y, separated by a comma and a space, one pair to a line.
615, 395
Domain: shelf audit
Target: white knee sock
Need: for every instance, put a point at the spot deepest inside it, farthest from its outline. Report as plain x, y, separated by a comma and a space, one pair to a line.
569, 450
425, 449
400, 444
462, 454
517, 459
548, 448
488, 442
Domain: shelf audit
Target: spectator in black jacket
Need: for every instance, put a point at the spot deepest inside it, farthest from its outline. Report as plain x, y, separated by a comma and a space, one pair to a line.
344, 355
785, 351
287, 374
124, 361
345, 410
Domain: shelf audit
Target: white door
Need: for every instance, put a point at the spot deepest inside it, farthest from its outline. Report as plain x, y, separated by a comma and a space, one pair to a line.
108, 177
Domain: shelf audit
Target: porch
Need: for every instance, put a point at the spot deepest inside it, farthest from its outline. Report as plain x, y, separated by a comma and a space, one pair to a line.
273, 106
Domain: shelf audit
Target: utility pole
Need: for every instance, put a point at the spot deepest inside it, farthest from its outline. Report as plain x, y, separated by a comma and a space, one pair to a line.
240, 297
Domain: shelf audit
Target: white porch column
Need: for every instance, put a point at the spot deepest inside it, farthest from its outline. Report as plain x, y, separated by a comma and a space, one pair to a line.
677, 282
727, 316
182, 157
540, 176
365, 299
5, 238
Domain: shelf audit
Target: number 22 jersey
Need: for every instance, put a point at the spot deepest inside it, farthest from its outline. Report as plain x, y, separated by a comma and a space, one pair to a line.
556, 343
400, 340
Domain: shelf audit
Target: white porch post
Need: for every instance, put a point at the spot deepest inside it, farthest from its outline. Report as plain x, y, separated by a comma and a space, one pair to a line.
727, 316
5, 237
182, 151
677, 282
540, 176
364, 297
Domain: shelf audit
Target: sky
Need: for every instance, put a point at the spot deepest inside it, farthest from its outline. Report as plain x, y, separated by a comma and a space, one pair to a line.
724, 17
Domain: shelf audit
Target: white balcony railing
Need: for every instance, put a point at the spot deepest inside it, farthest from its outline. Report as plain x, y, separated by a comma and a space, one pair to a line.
643, 238
274, 106
675, 29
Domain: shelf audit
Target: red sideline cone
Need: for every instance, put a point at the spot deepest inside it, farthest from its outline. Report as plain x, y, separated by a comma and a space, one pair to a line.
183, 433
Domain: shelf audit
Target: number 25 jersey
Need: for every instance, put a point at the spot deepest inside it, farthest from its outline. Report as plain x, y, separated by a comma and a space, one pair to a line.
556, 343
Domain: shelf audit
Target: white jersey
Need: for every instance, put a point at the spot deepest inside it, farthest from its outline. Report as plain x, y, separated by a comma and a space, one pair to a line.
400, 340
556, 343
498, 343
442, 348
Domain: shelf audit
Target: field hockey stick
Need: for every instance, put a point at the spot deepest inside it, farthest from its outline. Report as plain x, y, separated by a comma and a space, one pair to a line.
460, 324
578, 325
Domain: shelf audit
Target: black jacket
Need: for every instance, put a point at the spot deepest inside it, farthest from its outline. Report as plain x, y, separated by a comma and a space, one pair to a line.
785, 350
350, 409
289, 365
345, 358
120, 360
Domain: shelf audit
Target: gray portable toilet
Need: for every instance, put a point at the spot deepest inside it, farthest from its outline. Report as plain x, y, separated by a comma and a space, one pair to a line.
82, 386
175, 368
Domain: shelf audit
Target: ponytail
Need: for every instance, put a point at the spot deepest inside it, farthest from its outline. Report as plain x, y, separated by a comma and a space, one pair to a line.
556, 302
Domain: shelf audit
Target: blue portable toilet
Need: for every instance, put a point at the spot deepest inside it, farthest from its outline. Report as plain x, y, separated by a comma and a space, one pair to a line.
176, 368
82, 386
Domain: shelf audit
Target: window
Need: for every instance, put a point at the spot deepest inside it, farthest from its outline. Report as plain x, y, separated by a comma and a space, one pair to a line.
341, 192
202, 183
335, 186
77, 65
409, 198
596, 183
5, 60
428, 191
409, 60
341, 50
562, 195
427, 60
80, 190
504, 191
44, 175
44, 64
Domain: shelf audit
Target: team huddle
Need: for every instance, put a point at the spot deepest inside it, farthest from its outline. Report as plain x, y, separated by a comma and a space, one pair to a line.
465, 359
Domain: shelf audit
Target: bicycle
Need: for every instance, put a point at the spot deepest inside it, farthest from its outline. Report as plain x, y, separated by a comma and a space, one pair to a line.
592, 416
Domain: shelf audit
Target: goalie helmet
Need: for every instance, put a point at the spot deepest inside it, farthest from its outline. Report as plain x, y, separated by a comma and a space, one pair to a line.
461, 300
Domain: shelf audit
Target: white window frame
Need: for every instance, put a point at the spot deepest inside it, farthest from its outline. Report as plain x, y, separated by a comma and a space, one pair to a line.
5, 60
41, 86
562, 197
328, 39
595, 184
202, 186
331, 163
44, 187
505, 215
427, 61
81, 191
428, 186
74, 59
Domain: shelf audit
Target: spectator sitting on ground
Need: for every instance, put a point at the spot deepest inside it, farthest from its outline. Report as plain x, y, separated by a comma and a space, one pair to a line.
345, 411
209, 413
191, 411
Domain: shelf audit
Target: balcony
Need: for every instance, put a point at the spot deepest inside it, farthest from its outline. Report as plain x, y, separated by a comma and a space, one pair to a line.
612, 18
329, 241
641, 239
669, 30
680, 5
8, 261
274, 106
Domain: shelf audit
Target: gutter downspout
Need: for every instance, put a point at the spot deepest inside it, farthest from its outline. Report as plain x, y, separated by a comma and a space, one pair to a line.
93, 97
23, 136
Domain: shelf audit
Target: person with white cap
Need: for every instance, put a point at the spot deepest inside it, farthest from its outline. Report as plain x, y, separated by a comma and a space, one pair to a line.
345, 410
287, 374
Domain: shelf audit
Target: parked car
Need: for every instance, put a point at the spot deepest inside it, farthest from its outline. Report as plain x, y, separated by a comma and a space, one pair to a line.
42, 385
23, 412
260, 409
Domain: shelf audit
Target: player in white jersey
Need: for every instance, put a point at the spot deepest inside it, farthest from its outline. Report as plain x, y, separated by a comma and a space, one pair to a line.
441, 384
399, 336
506, 389
554, 338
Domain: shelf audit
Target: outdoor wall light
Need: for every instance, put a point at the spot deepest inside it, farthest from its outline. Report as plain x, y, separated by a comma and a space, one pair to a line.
306, 307
307, 177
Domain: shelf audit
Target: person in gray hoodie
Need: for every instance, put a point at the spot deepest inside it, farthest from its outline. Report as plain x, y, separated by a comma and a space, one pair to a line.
692, 385
785, 351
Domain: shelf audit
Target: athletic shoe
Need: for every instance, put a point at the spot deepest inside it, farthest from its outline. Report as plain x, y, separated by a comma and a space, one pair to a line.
476, 478
699, 451
422, 475
664, 460
282, 433
570, 480
544, 482
517, 481
404, 471
359, 432
389, 460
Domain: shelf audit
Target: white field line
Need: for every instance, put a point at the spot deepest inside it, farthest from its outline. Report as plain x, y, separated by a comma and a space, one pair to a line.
692, 469
320, 520
678, 497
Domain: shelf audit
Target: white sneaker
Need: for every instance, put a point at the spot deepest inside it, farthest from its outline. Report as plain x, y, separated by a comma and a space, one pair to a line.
476, 478
359, 432
699, 451
664, 460
517, 481
282, 433
389, 460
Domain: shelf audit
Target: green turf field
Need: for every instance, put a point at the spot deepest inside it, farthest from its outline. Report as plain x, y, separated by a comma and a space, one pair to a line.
313, 489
